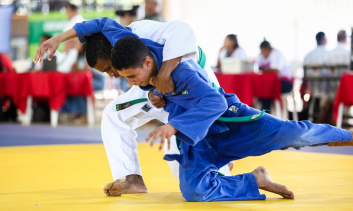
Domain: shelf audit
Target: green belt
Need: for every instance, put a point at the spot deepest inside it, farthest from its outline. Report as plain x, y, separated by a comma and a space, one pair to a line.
122, 106
202, 58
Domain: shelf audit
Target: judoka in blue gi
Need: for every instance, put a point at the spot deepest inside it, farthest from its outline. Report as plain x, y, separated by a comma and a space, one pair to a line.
215, 128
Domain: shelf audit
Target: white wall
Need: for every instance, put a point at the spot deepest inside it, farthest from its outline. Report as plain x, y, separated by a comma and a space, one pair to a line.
289, 25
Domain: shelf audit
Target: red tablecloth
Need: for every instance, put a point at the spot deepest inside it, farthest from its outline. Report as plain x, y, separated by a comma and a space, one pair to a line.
249, 85
344, 93
51, 85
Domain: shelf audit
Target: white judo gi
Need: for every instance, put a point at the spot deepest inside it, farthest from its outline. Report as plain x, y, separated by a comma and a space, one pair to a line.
118, 127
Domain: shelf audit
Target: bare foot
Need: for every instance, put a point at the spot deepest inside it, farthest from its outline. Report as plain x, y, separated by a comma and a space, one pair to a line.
341, 144
231, 165
132, 184
265, 182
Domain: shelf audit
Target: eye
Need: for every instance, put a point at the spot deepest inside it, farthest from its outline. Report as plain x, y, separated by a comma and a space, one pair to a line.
131, 76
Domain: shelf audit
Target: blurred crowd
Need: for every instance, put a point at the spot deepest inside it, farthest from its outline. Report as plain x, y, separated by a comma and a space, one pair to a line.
232, 58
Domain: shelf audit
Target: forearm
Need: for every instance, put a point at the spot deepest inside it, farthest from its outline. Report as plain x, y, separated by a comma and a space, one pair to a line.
169, 66
68, 35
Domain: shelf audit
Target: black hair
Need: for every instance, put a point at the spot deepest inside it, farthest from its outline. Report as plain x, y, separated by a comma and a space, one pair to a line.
47, 36
129, 52
265, 44
97, 47
341, 36
233, 37
72, 7
320, 37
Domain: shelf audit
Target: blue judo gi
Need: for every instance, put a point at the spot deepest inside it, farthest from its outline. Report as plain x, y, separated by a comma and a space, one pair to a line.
208, 144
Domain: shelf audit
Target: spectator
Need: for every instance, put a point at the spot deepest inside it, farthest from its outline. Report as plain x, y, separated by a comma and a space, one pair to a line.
73, 15
75, 107
151, 11
319, 55
230, 49
340, 55
70, 55
271, 60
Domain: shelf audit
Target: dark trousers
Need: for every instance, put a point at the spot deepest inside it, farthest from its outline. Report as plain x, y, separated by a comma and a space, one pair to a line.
286, 88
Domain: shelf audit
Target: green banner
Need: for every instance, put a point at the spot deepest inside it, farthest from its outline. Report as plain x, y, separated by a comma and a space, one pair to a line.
53, 24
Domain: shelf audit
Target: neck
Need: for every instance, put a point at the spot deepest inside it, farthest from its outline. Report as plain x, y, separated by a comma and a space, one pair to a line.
154, 72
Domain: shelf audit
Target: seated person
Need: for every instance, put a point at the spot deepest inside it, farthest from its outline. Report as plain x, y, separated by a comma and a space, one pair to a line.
272, 60
230, 49
214, 128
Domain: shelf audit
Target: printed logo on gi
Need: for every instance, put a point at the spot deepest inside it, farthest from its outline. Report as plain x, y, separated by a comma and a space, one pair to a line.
255, 116
233, 109
185, 92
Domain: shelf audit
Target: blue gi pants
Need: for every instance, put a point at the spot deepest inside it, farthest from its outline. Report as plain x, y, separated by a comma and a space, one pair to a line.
200, 163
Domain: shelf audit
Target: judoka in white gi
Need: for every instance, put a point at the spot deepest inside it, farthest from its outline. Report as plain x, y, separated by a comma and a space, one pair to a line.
118, 125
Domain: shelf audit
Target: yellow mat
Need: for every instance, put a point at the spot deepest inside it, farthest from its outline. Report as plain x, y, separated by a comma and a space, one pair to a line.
71, 177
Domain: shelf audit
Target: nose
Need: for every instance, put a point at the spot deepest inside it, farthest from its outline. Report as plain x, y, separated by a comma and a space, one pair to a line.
131, 81
110, 73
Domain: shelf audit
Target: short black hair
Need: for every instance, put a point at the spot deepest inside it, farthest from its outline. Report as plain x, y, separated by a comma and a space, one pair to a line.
265, 44
320, 37
72, 7
97, 47
129, 52
341, 36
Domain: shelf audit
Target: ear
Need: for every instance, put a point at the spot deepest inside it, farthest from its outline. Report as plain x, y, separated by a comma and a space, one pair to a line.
148, 61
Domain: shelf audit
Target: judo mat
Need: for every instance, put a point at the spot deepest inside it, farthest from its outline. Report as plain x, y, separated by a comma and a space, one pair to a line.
72, 177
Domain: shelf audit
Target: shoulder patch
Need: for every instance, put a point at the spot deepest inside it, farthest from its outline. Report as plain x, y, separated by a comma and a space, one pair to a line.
233, 109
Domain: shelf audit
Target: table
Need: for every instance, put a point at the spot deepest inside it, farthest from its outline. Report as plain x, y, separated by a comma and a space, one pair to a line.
54, 86
247, 86
344, 97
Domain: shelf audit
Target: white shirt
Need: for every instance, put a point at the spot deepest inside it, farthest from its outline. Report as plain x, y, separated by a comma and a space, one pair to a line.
339, 56
76, 19
238, 53
318, 56
177, 37
67, 60
277, 61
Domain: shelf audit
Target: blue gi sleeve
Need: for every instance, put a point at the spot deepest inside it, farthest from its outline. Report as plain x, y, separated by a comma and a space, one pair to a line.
107, 26
203, 106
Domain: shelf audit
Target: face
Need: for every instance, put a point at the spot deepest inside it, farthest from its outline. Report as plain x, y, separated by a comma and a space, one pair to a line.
150, 7
105, 65
141, 76
70, 13
265, 52
228, 43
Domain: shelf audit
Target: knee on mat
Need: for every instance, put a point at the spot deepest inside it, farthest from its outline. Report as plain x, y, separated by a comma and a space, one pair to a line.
192, 192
